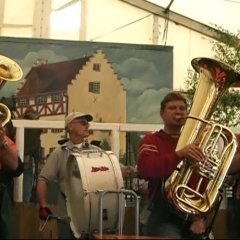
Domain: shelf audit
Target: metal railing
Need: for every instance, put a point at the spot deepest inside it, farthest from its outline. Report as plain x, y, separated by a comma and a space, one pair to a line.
114, 128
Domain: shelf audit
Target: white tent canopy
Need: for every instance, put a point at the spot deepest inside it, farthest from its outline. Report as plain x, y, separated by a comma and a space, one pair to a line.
124, 21
31, 18
224, 13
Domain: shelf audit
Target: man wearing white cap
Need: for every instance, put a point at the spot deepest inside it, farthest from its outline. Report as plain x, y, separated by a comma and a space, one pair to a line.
77, 126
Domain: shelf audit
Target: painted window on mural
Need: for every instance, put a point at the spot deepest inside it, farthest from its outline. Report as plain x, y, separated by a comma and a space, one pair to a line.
23, 102
94, 87
56, 130
56, 98
40, 100
44, 131
97, 67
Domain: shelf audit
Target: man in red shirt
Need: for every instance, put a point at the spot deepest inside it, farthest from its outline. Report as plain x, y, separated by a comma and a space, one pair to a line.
10, 167
156, 161
8, 151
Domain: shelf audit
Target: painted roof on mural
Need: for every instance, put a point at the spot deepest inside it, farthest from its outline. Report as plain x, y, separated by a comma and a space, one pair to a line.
52, 77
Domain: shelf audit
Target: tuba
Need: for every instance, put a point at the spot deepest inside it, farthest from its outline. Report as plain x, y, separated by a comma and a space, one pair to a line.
193, 188
9, 71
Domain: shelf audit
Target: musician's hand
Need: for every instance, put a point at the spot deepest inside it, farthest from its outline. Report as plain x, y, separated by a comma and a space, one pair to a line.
127, 171
191, 152
44, 212
198, 226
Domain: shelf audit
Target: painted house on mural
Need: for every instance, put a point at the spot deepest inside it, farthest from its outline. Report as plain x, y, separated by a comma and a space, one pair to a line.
87, 84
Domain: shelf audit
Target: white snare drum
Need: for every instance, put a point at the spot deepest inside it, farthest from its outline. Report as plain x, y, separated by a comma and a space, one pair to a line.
88, 173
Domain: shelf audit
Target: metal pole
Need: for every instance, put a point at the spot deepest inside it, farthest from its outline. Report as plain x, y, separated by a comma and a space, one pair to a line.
168, 7
18, 182
118, 191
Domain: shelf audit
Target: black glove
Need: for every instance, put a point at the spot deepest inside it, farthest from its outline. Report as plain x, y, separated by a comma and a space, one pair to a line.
44, 212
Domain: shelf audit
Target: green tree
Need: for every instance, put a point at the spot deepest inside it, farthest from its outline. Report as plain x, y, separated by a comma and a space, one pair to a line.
226, 49
123, 159
105, 145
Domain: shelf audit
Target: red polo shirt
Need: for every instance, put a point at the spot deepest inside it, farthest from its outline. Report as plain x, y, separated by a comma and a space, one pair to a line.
157, 159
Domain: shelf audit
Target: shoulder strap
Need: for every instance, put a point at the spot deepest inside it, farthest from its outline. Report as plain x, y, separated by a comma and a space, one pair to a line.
153, 194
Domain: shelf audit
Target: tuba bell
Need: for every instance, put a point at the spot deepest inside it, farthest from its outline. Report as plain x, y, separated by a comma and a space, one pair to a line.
9, 71
193, 188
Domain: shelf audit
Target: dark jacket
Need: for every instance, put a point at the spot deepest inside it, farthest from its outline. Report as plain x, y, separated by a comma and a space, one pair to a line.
7, 176
8, 218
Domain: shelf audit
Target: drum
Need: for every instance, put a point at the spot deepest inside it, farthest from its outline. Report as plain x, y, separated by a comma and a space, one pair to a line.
88, 173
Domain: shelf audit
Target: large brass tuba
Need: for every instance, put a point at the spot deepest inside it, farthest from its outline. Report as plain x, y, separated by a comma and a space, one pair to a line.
193, 188
9, 71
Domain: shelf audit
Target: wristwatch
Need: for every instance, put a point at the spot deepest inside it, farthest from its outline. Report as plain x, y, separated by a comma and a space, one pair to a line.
4, 145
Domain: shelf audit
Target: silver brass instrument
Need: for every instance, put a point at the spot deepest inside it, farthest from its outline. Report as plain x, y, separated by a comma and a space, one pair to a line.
9, 71
193, 187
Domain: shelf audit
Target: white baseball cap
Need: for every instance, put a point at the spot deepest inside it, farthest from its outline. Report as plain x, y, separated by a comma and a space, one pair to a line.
71, 116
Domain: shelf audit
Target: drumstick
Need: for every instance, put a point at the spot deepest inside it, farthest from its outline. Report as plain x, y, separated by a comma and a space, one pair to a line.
64, 218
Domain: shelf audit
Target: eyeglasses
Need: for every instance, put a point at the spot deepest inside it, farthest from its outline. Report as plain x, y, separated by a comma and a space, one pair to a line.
83, 122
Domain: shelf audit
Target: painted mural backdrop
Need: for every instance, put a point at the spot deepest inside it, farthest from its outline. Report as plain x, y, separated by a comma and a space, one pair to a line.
146, 71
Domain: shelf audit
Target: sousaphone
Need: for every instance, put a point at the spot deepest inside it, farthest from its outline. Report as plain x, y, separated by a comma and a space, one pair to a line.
9, 71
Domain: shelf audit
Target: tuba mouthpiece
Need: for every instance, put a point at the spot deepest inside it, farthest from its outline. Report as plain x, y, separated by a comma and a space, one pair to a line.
177, 117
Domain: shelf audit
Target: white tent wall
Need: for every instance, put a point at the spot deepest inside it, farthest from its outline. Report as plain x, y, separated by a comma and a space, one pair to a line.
105, 21
188, 44
116, 21
25, 18
65, 20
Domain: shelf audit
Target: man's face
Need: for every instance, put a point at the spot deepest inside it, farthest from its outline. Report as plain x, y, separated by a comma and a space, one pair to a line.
173, 112
79, 127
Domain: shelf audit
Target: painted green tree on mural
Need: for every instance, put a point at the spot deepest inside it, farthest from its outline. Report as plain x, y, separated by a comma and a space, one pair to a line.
226, 49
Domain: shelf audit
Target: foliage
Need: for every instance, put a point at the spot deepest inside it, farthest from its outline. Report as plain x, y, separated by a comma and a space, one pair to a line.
123, 159
226, 49
105, 145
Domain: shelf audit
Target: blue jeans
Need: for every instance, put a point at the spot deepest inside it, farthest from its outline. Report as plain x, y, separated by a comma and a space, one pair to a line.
163, 222
159, 228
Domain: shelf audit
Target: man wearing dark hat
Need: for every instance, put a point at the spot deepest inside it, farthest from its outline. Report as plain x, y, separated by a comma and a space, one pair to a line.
77, 126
